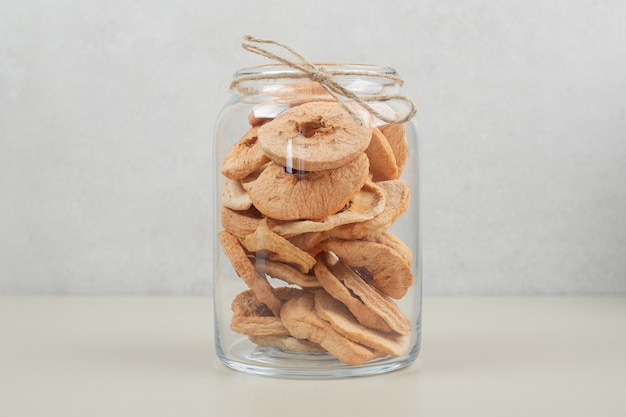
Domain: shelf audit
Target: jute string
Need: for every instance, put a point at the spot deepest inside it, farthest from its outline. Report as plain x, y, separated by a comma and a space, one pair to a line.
326, 78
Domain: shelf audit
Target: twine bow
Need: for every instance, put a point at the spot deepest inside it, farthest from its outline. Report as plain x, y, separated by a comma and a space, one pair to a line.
326, 78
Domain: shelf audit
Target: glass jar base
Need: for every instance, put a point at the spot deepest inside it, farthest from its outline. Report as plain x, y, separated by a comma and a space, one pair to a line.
247, 357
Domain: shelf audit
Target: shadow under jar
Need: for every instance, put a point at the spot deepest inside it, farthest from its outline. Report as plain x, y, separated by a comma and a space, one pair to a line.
317, 258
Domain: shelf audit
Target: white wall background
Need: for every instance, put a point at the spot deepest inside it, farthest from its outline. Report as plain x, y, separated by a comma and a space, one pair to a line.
107, 110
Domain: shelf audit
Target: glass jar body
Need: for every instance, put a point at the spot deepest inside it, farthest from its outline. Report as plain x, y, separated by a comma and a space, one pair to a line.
317, 257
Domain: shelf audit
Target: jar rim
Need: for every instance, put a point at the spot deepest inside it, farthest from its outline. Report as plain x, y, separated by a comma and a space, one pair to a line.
336, 66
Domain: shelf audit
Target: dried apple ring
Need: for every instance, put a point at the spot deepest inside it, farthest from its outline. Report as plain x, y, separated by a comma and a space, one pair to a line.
245, 157
277, 248
301, 319
382, 159
379, 265
340, 318
335, 287
397, 198
314, 136
253, 318
388, 239
380, 304
234, 196
364, 205
241, 223
396, 135
307, 195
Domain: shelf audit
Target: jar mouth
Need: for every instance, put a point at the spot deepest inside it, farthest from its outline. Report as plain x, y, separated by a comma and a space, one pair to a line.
375, 70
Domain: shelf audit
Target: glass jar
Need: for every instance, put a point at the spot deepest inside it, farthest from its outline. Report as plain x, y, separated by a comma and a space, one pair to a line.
317, 259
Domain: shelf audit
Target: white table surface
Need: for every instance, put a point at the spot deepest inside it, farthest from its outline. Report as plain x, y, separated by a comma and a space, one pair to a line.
154, 356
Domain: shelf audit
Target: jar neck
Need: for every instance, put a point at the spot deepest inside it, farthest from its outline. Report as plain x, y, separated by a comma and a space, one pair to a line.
282, 83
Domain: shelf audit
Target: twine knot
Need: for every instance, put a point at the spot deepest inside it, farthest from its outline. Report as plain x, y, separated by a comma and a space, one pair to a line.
321, 75
326, 78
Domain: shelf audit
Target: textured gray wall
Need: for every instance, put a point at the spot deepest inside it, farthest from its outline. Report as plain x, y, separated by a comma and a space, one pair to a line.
107, 110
